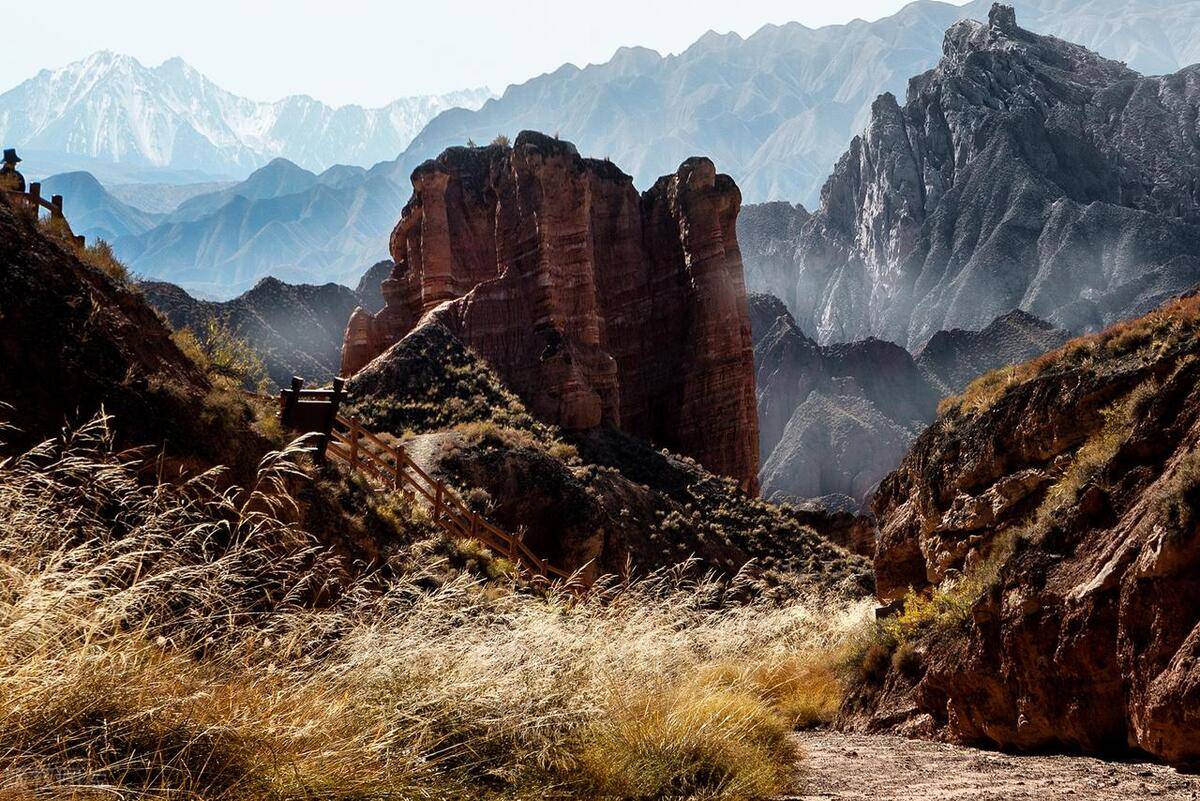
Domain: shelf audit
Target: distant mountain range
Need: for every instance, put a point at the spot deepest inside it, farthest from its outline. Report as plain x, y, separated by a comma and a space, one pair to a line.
282, 221
1024, 172
776, 109
109, 108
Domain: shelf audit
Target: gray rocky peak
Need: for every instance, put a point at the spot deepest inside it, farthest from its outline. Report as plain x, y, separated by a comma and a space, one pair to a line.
1023, 172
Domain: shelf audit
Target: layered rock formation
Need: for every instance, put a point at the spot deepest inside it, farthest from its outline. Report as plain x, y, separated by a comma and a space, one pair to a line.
1068, 496
1023, 172
596, 305
835, 419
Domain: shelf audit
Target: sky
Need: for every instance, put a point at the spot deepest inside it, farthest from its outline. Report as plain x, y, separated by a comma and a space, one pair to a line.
373, 51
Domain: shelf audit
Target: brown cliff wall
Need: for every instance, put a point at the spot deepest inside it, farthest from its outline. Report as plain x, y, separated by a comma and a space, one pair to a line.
1059, 502
597, 306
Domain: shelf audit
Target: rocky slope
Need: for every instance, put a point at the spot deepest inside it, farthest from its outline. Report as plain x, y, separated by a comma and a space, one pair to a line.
74, 341
598, 500
297, 329
835, 419
1052, 515
832, 420
1023, 172
951, 360
597, 306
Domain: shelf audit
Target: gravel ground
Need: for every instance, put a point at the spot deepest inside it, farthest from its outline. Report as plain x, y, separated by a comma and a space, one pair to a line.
881, 768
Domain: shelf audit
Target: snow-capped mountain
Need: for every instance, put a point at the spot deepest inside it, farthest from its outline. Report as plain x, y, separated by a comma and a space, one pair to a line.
113, 108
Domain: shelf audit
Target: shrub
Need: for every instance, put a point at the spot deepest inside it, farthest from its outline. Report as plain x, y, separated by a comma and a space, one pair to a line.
502, 141
1177, 500
228, 359
100, 255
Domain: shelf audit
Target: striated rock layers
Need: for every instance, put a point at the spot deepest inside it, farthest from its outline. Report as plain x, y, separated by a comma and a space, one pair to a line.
1023, 172
1068, 496
597, 306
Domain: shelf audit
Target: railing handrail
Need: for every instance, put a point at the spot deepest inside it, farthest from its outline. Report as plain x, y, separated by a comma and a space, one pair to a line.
33, 194
38, 199
346, 442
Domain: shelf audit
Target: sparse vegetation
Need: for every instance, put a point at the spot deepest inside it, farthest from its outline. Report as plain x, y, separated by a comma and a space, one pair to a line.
99, 254
1150, 336
190, 642
502, 141
490, 434
228, 359
436, 384
1177, 501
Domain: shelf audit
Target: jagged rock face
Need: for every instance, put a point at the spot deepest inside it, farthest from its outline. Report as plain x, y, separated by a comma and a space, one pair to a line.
832, 420
1080, 481
1023, 172
370, 286
767, 234
596, 305
953, 359
835, 419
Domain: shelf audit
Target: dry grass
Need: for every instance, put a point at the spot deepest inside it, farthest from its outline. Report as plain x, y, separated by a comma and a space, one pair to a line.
1150, 336
99, 254
160, 641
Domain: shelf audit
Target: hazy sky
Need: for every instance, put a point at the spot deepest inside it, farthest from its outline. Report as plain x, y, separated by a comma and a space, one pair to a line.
373, 51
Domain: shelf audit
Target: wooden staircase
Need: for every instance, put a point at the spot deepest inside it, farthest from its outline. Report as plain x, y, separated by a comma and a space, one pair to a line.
390, 468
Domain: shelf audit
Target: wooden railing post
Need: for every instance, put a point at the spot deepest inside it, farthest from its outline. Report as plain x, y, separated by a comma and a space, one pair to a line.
449, 513
288, 401
57, 202
335, 402
35, 195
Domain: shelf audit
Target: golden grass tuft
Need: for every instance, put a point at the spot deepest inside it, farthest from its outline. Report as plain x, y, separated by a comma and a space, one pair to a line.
189, 642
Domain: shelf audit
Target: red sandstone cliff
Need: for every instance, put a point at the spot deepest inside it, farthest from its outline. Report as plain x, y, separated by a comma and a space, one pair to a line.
597, 306
1058, 505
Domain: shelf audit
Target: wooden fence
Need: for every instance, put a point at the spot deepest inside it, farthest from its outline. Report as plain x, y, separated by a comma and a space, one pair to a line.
389, 467
33, 200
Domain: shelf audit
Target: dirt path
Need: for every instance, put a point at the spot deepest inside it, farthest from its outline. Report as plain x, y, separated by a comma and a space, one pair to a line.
842, 766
